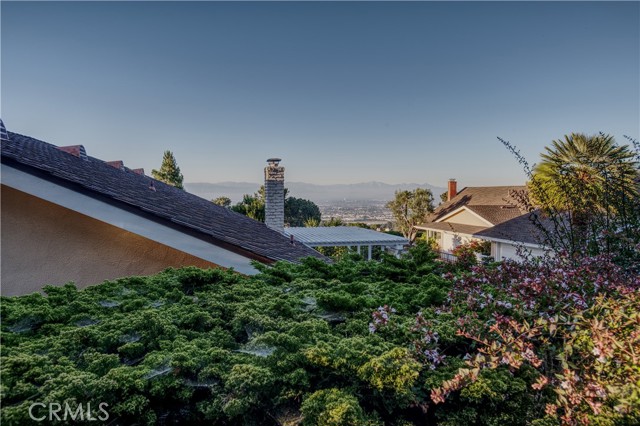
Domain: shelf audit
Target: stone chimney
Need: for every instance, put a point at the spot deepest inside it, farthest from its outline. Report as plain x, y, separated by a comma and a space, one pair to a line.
274, 195
452, 189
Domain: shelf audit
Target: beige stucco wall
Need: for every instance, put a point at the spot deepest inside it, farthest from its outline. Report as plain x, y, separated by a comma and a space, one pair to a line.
43, 243
465, 217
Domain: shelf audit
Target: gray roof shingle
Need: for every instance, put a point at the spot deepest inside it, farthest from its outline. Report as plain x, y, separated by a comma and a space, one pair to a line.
130, 190
526, 228
457, 228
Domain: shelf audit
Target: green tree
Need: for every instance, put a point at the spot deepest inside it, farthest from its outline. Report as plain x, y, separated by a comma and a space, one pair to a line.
411, 208
444, 197
334, 221
251, 206
591, 184
169, 172
584, 197
222, 201
577, 173
311, 223
297, 211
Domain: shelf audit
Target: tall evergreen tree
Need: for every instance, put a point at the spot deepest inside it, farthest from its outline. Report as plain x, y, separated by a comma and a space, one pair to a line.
169, 172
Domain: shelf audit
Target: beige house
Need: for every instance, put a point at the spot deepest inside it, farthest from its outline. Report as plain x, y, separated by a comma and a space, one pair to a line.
490, 213
67, 216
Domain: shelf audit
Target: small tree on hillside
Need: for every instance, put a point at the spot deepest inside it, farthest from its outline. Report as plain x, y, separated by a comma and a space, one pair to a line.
222, 201
444, 197
297, 211
312, 223
251, 206
410, 209
169, 172
334, 221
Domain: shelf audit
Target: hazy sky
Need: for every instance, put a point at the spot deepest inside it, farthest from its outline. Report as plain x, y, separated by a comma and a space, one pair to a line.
343, 92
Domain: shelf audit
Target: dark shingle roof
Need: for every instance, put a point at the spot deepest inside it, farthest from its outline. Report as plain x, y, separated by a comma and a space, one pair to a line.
525, 228
453, 227
493, 203
127, 189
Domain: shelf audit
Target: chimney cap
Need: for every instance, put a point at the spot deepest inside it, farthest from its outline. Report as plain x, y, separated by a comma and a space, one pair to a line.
274, 161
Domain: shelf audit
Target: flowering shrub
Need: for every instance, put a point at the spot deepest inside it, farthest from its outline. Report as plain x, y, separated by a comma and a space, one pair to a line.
577, 322
473, 246
426, 345
466, 253
380, 317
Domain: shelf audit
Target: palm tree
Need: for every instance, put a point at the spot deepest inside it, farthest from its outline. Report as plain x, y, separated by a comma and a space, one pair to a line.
588, 178
578, 171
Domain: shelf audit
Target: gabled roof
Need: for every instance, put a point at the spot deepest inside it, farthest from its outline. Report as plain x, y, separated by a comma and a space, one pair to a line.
456, 228
526, 228
495, 204
142, 195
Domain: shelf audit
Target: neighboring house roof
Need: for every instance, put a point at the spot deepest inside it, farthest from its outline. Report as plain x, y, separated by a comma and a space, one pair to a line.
497, 214
132, 191
343, 236
525, 228
493, 203
498, 205
457, 228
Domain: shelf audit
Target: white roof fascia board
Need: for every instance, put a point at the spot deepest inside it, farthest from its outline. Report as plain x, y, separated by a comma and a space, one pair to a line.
123, 219
456, 211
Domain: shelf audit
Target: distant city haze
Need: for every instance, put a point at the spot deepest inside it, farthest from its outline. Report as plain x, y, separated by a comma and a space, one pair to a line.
343, 92
361, 202
372, 191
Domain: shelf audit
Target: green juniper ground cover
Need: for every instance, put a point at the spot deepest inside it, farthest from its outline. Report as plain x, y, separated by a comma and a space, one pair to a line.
397, 342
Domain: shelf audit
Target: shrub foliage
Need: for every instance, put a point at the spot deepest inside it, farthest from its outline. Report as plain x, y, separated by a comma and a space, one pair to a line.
397, 342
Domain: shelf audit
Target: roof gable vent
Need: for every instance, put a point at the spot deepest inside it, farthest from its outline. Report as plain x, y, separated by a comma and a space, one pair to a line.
77, 150
3, 132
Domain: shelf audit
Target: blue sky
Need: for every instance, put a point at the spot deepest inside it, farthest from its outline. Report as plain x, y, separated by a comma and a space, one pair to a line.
343, 92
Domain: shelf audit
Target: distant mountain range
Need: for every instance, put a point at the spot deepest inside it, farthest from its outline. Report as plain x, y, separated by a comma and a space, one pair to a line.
319, 194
